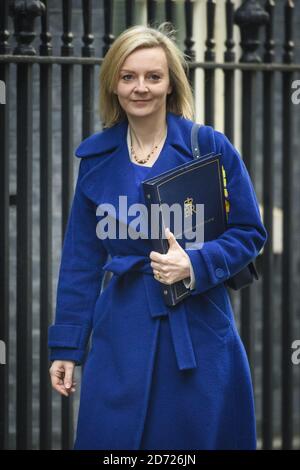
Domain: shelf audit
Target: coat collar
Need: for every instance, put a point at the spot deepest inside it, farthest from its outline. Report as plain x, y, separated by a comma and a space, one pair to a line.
112, 173
112, 138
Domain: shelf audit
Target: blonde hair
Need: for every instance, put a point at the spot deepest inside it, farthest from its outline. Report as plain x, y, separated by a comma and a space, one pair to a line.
180, 101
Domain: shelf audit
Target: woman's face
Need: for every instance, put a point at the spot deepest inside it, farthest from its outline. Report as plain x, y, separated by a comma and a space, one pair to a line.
143, 83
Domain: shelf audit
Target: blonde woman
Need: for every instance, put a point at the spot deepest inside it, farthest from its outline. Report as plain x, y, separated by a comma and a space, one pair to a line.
155, 377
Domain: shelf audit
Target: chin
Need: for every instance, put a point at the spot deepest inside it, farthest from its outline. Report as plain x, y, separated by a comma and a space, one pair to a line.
140, 112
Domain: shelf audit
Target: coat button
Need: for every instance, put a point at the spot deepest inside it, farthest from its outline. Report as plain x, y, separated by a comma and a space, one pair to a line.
219, 272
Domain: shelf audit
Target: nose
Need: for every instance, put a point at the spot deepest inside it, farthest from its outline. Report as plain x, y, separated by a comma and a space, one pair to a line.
141, 86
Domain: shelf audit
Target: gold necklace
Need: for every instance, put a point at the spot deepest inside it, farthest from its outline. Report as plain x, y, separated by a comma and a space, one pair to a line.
144, 160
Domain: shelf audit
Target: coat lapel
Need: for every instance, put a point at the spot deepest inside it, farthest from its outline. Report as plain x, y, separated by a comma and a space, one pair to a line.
111, 172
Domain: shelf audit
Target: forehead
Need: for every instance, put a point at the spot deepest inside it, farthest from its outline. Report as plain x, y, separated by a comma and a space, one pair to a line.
140, 59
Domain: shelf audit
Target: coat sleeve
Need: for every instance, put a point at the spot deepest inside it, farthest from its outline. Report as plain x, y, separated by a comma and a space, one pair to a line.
80, 279
218, 260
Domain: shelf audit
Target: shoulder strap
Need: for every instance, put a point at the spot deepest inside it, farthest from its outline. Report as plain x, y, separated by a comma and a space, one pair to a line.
202, 140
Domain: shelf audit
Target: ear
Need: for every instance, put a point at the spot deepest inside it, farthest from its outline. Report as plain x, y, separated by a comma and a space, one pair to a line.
170, 89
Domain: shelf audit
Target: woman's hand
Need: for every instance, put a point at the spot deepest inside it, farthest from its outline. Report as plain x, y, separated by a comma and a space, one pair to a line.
172, 266
62, 377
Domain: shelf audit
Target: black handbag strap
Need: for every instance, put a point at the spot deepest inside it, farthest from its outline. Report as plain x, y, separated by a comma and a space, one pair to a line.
202, 140
203, 144
195, 140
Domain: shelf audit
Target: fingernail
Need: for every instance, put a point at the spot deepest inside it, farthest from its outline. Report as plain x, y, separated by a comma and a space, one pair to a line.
68, 385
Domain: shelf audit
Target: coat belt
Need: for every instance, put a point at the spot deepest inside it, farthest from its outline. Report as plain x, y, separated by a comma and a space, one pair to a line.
177, 314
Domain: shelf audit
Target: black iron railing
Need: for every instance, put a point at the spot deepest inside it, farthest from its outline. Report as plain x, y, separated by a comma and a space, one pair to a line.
252, 18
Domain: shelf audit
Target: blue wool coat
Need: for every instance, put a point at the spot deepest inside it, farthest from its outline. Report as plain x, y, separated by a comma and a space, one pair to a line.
155, 377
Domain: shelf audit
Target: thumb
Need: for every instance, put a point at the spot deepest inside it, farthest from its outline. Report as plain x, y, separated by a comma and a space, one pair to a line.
68, 379
171, 238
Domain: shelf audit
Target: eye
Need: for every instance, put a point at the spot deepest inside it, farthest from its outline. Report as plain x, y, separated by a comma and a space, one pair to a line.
127, 75
155, 76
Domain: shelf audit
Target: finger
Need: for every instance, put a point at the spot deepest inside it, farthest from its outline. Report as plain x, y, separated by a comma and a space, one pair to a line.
73, 387
58, 371
155, 256
59, 374
171, 238
156, 266
167, 232
68, 379
70, 390
66, 391
60, 388
55, 380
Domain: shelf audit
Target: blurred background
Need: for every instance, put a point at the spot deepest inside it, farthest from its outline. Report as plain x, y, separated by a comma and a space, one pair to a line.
244, 67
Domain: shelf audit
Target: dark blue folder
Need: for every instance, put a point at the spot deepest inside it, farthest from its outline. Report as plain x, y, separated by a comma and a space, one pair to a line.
197, 182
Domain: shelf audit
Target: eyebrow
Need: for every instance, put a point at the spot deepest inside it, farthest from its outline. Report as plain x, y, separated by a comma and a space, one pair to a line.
154, 70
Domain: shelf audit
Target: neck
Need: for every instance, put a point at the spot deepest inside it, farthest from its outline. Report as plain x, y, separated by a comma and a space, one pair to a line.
146, 130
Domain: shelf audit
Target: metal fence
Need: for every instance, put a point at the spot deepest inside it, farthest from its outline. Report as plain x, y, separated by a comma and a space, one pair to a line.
257, 66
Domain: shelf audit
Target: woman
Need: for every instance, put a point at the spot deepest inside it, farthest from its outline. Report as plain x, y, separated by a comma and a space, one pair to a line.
156, 377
